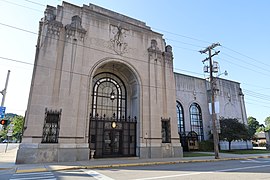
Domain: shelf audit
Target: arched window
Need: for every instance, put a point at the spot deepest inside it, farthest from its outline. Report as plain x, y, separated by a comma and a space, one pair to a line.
109, 96
180, 118
196, 123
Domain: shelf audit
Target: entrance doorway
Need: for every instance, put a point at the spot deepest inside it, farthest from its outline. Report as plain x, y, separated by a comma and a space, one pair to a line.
112, 133
112, 142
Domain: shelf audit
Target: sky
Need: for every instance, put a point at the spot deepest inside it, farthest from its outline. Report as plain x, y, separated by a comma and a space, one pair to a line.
241, 27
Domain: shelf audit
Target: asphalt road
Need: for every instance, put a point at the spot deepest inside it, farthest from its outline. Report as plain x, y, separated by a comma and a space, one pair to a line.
228, 170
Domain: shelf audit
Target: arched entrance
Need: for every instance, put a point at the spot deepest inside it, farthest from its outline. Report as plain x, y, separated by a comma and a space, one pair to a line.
113, 118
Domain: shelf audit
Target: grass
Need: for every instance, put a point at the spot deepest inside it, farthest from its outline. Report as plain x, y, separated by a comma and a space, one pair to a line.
195, 154
238, 151
246, 151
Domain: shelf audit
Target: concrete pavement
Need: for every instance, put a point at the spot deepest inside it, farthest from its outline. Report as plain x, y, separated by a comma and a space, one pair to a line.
7, 162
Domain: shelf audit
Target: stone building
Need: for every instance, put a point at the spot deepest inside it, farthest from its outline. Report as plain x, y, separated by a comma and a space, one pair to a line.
104, 83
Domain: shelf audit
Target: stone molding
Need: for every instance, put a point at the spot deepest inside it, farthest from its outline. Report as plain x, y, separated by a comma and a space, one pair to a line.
74, 30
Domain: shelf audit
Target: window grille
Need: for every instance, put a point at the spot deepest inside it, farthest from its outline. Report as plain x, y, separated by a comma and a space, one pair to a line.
51, 126
196, 121
166, 130
180, 118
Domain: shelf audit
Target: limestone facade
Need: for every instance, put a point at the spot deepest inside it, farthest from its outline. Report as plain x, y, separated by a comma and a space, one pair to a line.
230, 98
77, 45
104, 82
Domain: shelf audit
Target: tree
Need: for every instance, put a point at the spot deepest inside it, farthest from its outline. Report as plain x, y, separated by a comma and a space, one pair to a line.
17, 123
261, 128
253, 125
267, 123
233, 130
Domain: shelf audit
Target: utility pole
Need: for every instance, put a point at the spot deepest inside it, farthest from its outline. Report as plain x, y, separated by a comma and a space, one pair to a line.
213, 89
4, 91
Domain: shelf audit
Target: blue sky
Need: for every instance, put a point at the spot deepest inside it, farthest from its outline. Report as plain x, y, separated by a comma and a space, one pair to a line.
242, 28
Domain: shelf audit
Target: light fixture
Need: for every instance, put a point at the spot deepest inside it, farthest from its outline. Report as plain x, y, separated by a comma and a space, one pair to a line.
113, 124
112, 95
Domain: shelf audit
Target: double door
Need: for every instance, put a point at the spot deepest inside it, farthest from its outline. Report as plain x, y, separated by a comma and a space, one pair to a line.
112, 142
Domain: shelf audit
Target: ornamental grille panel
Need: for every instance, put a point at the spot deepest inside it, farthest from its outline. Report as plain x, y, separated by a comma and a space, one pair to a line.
166, 130
51, 126
112, 137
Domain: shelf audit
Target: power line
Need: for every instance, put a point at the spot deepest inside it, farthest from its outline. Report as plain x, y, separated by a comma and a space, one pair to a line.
253, 65
139, 60
190, 44
253, 94
82, 74
36, 3
88, 24
85, 46
161, 30
20, 5
244, 67
246, 56
187, 37
247, 92
176, 34
257, 104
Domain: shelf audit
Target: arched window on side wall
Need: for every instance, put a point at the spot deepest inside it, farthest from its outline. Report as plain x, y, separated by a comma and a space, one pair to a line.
180, 118
196, 123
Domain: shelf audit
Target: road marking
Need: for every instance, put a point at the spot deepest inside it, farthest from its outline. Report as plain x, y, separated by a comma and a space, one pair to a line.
254, 161
170, 176
96, 175
196, 173
37, 177
25, 174
242, 168
29, 176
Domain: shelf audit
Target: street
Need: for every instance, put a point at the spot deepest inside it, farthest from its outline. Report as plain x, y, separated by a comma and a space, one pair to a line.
236, 169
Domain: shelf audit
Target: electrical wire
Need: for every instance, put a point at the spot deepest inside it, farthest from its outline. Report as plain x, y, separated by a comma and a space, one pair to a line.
179, 35
254, 95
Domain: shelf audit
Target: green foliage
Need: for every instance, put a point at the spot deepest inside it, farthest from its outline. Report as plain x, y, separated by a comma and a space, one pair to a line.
267, 123
195, 154
15, 123
233, 130
207, 145
261, 128
253, 125
246, 151
3, 134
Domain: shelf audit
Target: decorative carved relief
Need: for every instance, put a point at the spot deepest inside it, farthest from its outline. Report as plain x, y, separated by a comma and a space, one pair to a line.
118, 43
75, 29
53, 27
50, 13
154, 51
168, 56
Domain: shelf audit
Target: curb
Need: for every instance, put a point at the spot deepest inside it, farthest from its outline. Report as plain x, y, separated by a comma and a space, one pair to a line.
31, 170
2, 169
134, 164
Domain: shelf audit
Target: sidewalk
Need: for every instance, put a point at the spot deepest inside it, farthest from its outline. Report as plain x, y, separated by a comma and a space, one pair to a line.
7, 162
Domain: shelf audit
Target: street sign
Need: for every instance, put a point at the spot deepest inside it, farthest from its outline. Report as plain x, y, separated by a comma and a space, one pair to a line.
2, 111
10, 131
